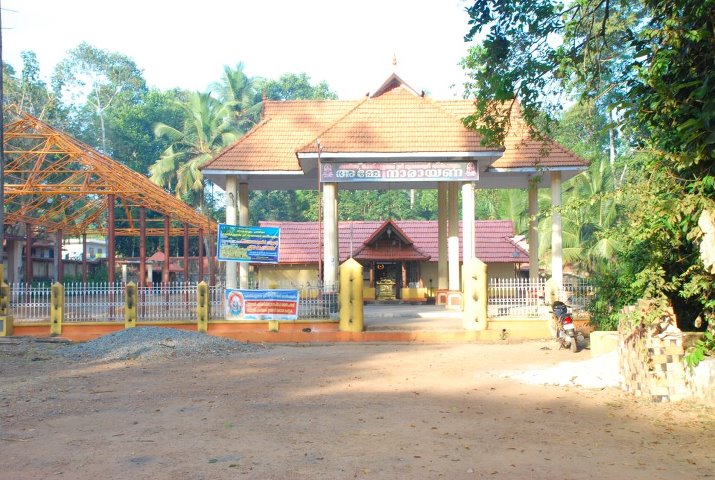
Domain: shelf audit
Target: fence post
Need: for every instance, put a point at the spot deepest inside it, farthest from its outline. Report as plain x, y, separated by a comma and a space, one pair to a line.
474, 279
57, 308
6, 323
202, 307
350, 297
130, 305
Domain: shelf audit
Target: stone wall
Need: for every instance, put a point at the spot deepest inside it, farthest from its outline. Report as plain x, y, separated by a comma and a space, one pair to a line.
652, 359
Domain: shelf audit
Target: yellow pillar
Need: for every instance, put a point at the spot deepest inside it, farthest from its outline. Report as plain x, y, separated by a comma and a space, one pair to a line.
6, 323
57, 308
130, 305
350, 311
202, 308
474, 280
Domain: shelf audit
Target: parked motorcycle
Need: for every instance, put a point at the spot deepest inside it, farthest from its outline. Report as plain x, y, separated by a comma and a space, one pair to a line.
564, 328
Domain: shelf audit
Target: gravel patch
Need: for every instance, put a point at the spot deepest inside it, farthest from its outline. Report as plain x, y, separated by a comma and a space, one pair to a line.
597, 373
149, 343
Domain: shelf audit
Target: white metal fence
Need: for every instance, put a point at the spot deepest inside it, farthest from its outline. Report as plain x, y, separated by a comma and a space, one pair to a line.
510, 297
30, 303
176, 301
94, 302
102, 302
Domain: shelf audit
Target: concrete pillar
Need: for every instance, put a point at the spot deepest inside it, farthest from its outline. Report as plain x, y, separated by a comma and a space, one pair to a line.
442, 266
468, 237
330, 235
533, 228
453, 237
231, 199
557, 265
243, 221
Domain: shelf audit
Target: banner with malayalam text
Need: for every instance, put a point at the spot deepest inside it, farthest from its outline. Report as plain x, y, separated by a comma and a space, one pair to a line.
251, 305
398, 171
238, 243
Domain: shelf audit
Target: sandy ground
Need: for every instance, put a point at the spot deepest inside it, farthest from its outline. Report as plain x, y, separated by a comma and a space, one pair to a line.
337, 411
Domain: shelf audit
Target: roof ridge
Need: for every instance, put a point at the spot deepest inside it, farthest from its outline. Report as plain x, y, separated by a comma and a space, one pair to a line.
354, 107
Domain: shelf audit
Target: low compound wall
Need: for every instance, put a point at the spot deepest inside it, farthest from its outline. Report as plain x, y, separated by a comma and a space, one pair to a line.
652, 364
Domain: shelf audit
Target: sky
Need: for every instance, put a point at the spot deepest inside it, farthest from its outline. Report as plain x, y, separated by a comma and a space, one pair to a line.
186, 43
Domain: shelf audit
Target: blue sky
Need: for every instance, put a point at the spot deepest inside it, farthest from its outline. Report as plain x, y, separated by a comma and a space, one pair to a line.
185, 43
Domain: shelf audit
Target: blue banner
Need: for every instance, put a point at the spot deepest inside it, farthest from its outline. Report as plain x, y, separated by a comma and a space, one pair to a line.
248, 244
253, 305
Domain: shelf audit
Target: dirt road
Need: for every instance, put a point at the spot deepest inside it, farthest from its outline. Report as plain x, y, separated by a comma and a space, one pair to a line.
337, 411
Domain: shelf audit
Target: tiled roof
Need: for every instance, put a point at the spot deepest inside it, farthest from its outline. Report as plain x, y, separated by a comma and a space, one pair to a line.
396, 121
287, 125
520, 150
299, 240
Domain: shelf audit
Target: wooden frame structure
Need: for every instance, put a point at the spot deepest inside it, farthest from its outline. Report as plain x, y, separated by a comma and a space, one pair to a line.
55, 183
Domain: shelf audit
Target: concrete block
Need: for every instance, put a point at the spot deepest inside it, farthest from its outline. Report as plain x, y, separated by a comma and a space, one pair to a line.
603, 342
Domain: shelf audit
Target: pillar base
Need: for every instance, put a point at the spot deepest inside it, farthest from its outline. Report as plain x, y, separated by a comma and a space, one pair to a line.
451, 299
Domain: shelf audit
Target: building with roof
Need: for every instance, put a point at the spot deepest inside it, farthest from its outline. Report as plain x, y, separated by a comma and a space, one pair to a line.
399, 257
395, 138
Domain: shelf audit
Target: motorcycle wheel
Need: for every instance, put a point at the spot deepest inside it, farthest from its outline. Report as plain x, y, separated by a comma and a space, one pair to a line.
574, 345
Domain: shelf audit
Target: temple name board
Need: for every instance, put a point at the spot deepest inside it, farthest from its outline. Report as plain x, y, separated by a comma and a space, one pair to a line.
398, 171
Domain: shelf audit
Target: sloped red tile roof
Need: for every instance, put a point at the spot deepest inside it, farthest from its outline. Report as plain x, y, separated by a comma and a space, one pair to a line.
287, 125
396, 121
299, 240
520, 149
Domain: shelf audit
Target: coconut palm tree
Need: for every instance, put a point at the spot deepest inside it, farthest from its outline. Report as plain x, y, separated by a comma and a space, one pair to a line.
207, 128
240, 94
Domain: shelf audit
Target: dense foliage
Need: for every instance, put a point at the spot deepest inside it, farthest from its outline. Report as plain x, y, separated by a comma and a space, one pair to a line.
647, 67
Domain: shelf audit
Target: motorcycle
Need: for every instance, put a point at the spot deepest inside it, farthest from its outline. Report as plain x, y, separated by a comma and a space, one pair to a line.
563, 327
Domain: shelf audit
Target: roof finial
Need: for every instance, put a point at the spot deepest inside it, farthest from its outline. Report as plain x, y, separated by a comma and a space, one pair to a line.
394, 60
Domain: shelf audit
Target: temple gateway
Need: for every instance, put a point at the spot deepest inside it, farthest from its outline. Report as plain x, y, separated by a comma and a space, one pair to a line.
394, 138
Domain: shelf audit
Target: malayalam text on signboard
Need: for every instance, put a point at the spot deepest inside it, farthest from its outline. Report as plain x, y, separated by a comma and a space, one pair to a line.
261, 304
399, 171
248, 244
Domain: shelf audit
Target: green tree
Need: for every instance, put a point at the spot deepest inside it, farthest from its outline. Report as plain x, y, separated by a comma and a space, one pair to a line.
291, 86
207, 128
239, 93
89, 82
650, 63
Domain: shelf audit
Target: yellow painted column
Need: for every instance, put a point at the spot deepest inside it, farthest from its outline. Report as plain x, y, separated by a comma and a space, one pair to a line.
130, 305
57, 308
202, 307
474, 273
350, 298
6, 321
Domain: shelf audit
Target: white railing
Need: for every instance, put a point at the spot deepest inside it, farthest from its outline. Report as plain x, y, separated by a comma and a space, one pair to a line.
30, 304
515, 297
176, 301
510, 297
94, 302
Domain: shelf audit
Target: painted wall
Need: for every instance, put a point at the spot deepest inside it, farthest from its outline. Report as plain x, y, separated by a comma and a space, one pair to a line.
277, 276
